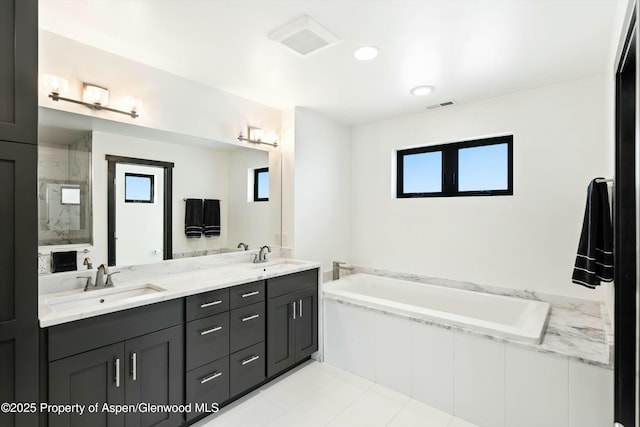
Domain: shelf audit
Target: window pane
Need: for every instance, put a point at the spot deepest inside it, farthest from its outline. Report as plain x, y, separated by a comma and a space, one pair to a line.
483, 168
263, 185
138, 188
422, 172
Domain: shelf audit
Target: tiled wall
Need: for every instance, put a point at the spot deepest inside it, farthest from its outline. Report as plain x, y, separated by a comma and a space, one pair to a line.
489, 383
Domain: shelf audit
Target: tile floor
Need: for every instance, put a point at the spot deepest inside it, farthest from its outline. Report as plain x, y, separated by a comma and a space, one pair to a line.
318, 394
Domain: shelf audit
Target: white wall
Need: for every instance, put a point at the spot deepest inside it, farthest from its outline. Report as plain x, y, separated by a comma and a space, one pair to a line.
322, 214
197, 173
524, 241
171, 103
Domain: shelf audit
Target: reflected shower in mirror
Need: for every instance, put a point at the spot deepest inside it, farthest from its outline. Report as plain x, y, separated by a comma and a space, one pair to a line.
64, 187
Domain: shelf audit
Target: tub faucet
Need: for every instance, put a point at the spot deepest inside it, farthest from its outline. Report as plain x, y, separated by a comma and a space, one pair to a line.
262, 255
243, 245
337, 266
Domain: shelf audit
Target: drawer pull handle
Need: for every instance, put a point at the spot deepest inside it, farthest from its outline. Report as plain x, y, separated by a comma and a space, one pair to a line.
209, 304
211, 377
208, 331
255, 316
250, 294
117, 368
249, 360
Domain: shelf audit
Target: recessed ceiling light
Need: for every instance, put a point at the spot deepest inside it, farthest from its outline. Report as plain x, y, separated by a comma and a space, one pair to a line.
365, 53
422, 90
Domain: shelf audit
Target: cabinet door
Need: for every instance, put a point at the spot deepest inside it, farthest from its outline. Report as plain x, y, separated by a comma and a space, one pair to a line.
306, 323
85, 379
18, 279
19, 70
280, 334
154, 374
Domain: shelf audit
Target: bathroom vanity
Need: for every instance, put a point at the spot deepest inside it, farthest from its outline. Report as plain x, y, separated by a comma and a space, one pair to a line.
192, 339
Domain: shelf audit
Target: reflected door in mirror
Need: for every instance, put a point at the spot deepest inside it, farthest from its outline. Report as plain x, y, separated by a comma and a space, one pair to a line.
139, 192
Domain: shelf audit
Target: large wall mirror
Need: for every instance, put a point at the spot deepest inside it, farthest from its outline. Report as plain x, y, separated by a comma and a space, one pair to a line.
245, 181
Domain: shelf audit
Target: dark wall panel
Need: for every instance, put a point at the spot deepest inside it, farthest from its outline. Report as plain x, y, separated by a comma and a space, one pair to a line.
7, 224
7, 382
7, 65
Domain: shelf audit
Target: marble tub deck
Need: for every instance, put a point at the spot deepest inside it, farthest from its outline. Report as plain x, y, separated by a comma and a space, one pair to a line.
578, 329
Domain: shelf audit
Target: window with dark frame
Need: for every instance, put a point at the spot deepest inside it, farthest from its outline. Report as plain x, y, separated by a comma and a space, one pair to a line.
481, 167
138, 188
261, 185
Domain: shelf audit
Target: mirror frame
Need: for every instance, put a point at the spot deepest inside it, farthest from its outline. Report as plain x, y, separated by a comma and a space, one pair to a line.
111, 197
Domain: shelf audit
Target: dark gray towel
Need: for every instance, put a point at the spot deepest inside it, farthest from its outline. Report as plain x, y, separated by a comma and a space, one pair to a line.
193, 218
211, 217
594, 261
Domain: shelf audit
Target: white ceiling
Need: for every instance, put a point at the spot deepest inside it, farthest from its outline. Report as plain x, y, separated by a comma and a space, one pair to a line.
468, 49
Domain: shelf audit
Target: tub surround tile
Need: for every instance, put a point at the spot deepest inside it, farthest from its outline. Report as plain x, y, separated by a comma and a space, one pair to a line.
393, 348
432, 366
537, 389
590, 392
459, 422
479, 380
360, 344
576, 328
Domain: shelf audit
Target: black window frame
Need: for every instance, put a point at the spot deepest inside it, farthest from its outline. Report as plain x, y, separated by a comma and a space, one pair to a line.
152, 189
450, 168
256, 174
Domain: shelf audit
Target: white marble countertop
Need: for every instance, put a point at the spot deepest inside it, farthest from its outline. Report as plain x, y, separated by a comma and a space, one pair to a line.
173, 286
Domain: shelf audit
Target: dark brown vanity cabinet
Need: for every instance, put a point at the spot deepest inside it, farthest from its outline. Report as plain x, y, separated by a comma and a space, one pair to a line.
292, 325
18, 208
119, 359
224, 344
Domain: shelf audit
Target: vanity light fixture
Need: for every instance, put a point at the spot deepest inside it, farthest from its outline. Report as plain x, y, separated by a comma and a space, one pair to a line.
94, 97
422, 90
254, 136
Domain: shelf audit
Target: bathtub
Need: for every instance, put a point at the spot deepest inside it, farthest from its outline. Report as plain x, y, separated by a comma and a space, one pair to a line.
495, 315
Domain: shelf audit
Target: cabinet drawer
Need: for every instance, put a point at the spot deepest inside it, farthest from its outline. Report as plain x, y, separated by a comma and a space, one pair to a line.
208, 384
207, 340
246, 369
242, 295
207, 304
87, 334
291, 283
247, 326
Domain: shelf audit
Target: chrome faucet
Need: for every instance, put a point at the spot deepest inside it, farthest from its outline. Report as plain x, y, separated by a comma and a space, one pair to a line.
262, 255
243, 245
337, 266
102, 270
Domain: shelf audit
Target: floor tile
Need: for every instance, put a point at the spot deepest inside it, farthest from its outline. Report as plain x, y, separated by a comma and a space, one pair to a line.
321, 395
376, 408
458, 422
418, 414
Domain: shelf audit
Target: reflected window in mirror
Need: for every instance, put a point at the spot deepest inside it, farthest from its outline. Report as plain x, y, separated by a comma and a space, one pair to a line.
138, 188
64, 187
261, 185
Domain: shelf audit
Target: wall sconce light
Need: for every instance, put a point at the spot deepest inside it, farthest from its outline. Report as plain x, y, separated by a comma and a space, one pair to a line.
254, 136
94, 97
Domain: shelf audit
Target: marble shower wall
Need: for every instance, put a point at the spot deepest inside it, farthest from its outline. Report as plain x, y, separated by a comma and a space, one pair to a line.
64, 166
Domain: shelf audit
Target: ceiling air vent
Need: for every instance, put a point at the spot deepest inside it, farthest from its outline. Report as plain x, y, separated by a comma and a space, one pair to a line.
304, 36
442, 104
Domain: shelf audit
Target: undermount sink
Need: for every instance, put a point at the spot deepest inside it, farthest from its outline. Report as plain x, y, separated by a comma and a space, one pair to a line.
278, 265
106, 296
